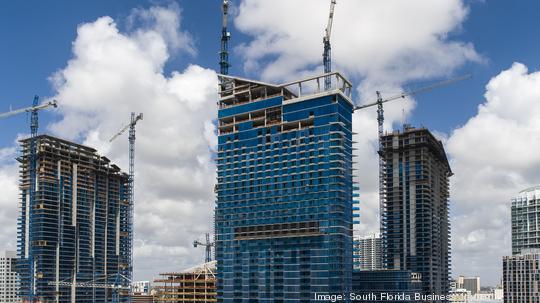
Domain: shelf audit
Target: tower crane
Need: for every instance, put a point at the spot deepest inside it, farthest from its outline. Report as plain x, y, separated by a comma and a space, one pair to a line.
225, 37
327, 58
208, 245
131, 138
33, 110
380, 121
380, 100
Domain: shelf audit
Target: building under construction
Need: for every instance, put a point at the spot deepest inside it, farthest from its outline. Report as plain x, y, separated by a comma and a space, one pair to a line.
416, 229
73, 232
197, 284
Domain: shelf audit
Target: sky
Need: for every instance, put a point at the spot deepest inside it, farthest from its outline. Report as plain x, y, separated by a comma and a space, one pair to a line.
103, 59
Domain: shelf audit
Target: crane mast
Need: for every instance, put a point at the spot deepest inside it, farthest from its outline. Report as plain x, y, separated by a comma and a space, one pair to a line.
33, 166
327, 56
131, 126
380, 129
33, 110
225, 37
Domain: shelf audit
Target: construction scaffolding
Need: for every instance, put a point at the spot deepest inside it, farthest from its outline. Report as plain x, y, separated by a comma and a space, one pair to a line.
78, 220
197, 284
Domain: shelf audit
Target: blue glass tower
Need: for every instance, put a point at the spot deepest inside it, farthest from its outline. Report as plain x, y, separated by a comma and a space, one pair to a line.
416, 226
283, 218
76, 231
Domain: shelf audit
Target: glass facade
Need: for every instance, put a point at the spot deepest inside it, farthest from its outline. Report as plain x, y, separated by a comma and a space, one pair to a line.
76, 232
526, 220
368, 286
416, 227
283, 218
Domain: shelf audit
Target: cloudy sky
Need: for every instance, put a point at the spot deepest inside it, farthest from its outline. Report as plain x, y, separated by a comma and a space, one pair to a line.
102, 59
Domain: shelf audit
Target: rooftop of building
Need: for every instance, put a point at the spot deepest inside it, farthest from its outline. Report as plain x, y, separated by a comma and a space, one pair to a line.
60, 140
526, 253
437, 145
530, 189
368, 237
204, 268
236, 90
526, 196
71, 148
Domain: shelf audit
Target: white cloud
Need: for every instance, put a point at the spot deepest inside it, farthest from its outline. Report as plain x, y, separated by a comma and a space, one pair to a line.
494, 156
113, 73
9, 198
161, 23
386, 41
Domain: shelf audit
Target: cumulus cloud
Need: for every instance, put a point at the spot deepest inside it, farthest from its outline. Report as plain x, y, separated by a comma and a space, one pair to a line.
113, 73
494, 156
9, 197
388, 42
163, 23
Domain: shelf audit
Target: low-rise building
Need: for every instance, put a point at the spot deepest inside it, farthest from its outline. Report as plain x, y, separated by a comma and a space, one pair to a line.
142, 287
498, 293
459, 295
471, 284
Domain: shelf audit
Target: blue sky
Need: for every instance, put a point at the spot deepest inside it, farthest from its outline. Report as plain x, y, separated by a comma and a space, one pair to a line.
37, 40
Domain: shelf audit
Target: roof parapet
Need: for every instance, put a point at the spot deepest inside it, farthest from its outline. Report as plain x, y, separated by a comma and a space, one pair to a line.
235, 90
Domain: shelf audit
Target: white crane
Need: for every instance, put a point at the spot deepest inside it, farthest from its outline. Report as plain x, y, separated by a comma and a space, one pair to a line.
30, 109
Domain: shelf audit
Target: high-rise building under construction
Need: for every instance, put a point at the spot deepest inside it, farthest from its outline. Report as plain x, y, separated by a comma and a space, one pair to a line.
73, 233
415, 224
283, 218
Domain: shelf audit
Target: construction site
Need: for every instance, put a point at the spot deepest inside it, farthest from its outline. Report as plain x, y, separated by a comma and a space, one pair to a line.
75, 223
196, 284
286, 201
